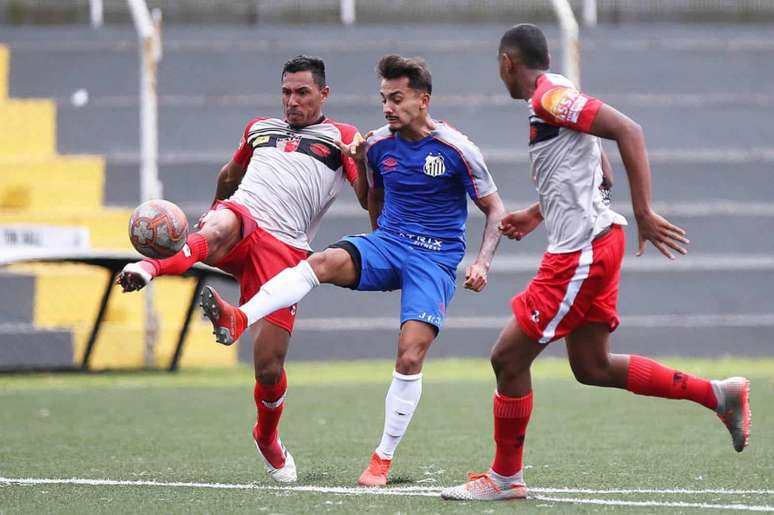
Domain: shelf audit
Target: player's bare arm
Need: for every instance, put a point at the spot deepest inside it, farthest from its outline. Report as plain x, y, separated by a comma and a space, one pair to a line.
229, 178
607, 171
476, 273
375, 205
612, 124
517, 224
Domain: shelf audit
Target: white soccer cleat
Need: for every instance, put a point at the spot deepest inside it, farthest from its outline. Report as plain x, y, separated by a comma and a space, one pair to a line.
134, 277
285, 474
481, 487
733, 409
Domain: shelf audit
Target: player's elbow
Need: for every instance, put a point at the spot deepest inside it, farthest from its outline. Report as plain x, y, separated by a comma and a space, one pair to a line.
362, 196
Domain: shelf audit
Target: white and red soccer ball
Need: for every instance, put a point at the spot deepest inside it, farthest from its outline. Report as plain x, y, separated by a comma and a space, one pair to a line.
158, 229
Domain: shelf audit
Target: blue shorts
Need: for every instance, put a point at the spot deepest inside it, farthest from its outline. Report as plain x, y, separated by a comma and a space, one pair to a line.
426, 278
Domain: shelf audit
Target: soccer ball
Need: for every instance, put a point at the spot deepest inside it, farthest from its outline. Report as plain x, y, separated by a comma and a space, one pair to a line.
158, 229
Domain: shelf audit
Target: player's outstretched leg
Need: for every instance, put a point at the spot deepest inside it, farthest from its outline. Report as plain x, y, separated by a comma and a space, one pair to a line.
228, 322
592, 364
135, 276
218, 235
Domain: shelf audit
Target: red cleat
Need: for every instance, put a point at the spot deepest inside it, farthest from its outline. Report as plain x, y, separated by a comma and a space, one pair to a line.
376, 472
733, 409
228, 322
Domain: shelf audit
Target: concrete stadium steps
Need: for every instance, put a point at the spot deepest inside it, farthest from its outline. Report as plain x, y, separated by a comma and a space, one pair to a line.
61, 182
730, 235
108, 227
645, 293
27, 347
27, 128
16, 304
182, 132
5, 57
633, 54
381, 343
192, 182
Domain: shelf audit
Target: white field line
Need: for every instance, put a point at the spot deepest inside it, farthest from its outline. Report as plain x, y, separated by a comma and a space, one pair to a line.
471, 100
328, 324
343, 45
697, 209
503, 156
427, 492
656, 504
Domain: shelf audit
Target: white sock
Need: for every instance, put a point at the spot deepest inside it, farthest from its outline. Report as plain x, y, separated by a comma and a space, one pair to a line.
402, 399
281, 291
505, 481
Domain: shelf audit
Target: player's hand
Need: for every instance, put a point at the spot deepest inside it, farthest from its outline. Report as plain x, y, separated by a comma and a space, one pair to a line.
475, 277
517, 224
355, 150
661, 233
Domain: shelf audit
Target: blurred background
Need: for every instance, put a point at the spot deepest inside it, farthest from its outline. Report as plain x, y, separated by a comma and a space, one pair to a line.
696, 74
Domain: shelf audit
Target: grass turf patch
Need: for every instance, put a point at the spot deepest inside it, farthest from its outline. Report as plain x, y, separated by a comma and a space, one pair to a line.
194, 427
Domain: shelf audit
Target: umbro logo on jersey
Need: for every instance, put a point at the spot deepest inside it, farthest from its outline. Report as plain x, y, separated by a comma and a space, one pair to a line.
389, 164
434, 165
288, 144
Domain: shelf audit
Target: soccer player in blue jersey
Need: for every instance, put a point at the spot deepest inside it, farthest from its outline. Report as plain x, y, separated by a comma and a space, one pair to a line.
420, 172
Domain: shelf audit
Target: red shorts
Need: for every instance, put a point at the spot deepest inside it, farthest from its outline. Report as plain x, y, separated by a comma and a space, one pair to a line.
573, 289
258, 257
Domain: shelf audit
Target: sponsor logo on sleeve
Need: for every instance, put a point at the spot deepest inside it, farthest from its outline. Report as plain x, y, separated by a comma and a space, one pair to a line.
564, 104
434, 165
320, 149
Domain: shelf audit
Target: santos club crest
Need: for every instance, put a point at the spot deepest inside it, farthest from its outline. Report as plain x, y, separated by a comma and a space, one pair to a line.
434, 165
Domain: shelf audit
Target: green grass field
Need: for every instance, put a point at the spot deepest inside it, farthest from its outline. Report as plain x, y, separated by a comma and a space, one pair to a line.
588, 444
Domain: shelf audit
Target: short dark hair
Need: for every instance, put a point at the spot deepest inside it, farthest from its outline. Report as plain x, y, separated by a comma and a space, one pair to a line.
302, 63
531, 43
413, 68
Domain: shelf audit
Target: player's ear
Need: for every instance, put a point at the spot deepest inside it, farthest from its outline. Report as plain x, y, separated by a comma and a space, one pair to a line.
424, 98
324, 92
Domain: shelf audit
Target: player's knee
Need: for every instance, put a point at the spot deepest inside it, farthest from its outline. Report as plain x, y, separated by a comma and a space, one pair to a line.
500, 360
410, 360
221, 231
590, 374
327, 264
268, 373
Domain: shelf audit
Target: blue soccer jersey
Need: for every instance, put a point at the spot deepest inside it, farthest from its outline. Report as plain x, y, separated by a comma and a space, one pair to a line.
425, 185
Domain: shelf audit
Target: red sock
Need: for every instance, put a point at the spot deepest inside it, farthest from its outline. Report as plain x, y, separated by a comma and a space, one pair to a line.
270, 400
647, 377
195, 250
511, 416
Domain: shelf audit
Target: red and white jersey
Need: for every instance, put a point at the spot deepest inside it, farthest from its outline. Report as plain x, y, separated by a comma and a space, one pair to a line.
293, 175
566, 164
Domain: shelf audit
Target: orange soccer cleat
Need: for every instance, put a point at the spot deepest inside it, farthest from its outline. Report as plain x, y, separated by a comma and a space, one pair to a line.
481, 487
228, 322
376, 472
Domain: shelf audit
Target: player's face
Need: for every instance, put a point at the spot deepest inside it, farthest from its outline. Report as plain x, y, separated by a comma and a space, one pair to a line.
302, 98
402, 105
